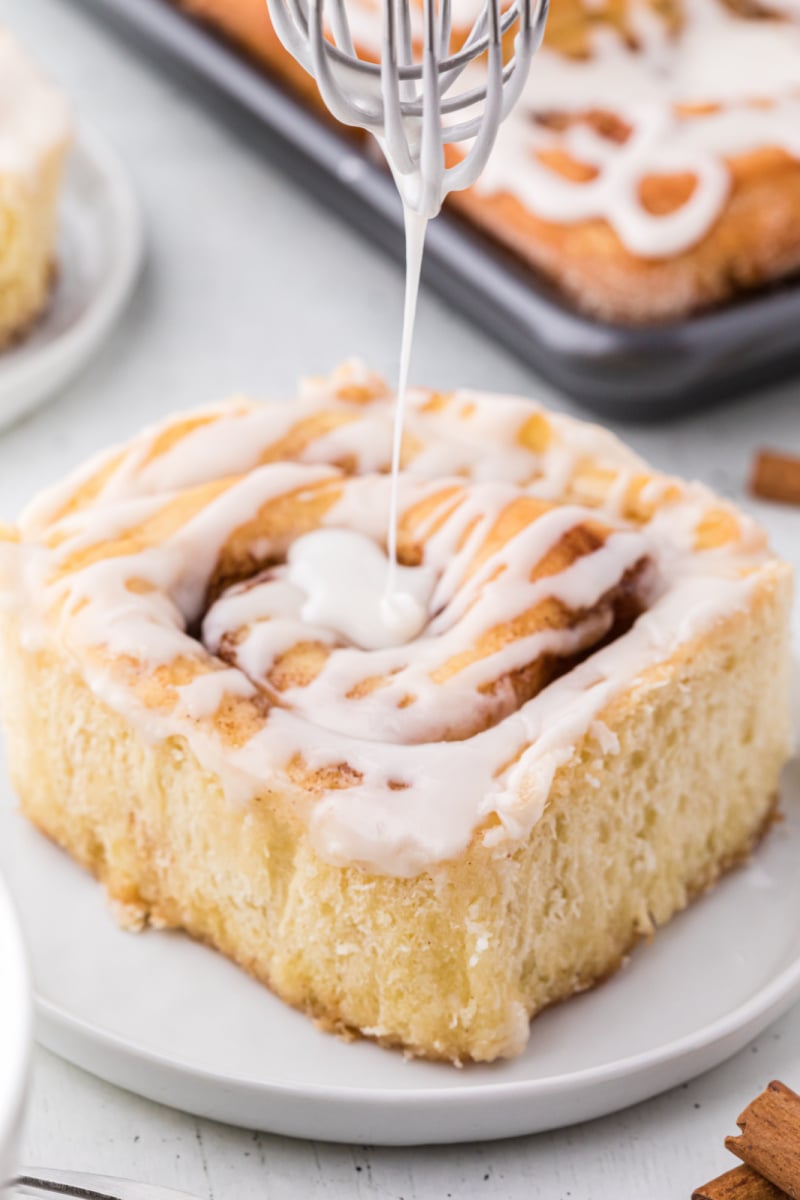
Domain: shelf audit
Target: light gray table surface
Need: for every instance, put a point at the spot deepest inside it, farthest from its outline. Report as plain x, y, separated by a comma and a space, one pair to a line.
248, 284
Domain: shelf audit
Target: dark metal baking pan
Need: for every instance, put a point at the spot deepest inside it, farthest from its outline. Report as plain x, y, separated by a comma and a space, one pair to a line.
615, 370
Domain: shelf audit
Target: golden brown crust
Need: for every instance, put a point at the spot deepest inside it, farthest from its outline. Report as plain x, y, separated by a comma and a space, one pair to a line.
132, 916
16, 335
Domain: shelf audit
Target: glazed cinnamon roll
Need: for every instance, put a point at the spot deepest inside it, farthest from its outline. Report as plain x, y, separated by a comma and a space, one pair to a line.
422, 831
651, 168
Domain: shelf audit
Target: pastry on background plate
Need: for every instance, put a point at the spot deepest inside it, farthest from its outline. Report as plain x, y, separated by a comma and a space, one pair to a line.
427, 842
34, 139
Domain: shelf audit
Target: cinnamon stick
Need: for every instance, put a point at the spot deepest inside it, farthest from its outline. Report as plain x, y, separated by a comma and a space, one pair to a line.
776, 477
770, 1137
742, 1183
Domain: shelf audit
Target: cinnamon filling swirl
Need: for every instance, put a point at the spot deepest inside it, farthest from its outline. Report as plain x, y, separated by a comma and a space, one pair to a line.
522, 591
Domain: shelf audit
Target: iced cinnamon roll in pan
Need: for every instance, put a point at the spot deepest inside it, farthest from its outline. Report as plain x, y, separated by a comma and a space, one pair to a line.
426, 835
651, 169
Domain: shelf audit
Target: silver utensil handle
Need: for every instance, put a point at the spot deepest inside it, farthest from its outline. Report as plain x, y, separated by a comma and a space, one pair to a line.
44, 1184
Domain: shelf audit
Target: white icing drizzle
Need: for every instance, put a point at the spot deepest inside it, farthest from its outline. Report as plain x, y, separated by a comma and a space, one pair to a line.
34, 117
414, 703
341, 579
204, 696
115, 566
415, 225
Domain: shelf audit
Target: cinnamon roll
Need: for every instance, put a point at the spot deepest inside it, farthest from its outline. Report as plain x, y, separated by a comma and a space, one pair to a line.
34, 139
422, 832
651, 168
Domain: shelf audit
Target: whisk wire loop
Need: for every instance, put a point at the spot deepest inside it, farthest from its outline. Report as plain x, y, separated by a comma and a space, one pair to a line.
410, 101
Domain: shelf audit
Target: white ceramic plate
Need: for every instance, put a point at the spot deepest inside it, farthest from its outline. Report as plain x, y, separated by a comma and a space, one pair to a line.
98, 255
172, 1020
15, 1034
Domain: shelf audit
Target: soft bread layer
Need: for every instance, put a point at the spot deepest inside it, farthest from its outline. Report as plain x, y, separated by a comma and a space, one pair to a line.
28, 212
450, 964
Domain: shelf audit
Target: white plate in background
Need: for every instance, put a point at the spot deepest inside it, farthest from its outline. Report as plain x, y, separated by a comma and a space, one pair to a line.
174, 1021
98, 254
15, 1035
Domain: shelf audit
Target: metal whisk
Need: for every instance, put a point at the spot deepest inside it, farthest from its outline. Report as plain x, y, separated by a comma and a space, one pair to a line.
412, 106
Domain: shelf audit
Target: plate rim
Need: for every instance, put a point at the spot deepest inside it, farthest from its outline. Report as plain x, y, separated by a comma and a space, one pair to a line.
771, 999
402, 1115
32, 379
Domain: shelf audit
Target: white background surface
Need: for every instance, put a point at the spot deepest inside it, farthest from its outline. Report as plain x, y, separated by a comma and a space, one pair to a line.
248, 284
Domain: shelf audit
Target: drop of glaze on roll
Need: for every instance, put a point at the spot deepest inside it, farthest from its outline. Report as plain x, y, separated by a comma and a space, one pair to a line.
344, 576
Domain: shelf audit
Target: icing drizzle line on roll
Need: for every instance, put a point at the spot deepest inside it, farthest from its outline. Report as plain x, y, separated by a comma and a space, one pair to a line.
558, 568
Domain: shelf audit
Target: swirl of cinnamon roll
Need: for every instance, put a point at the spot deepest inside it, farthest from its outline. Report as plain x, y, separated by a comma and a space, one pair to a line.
207, 577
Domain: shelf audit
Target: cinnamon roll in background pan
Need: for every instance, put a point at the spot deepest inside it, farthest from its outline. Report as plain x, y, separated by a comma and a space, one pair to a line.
652, 167
424, 842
